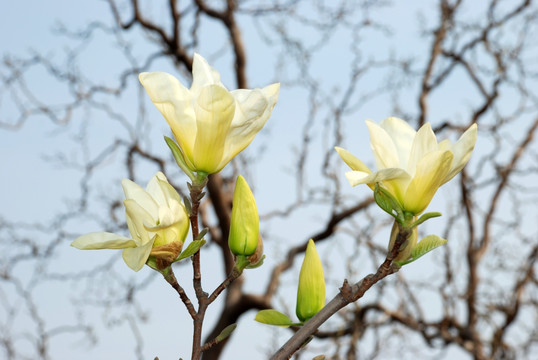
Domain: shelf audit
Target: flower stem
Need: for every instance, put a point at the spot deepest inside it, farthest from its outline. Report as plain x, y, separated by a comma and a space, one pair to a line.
169, 276
348, 294
196, 194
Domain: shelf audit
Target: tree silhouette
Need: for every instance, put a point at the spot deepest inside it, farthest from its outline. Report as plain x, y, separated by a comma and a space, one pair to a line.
452, 63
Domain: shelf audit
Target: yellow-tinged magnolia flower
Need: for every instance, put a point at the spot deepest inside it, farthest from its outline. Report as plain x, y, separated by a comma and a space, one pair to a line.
411, 164
311, 289
210, 123
244, 228
157, 220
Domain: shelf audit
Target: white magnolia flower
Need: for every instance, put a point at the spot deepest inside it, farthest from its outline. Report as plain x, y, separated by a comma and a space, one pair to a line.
210, 123
157, 220
411, 164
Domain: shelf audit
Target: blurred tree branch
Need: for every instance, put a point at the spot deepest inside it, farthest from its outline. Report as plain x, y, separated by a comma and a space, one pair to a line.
484, 283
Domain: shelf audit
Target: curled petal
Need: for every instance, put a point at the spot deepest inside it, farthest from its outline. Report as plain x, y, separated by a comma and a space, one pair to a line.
351, 161
203, 75
462, 150
102, 240
251, 114
360, 177
250, 105
136, 257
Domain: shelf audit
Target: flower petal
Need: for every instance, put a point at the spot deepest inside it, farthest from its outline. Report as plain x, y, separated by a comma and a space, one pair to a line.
250, 105
169, 191
102, 240
134, 192
394, 180
385, 152
351, 161
430, 173
360, 177
137, 219
155, 190
174, 101
402, 135
136, 258
214, 108
203, 75
423, 143
462, 150
253, 108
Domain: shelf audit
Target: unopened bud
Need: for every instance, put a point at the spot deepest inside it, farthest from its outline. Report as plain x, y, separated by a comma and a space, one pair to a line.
244, 227
311, 289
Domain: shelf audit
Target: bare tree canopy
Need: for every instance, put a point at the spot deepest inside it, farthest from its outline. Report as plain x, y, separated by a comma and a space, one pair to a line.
74, 121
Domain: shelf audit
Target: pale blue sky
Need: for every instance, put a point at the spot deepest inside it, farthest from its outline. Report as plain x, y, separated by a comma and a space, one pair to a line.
34, 189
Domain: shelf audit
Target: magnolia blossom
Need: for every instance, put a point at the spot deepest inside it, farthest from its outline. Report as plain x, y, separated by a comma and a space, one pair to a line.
210, 123
157, 220
411, 165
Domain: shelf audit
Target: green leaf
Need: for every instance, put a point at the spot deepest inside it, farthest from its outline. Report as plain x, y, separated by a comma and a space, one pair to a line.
425, 217
188, 205
225, 332
388, 203
424, 246
382, 200
273, 317
193, 247
202, 234
178, 156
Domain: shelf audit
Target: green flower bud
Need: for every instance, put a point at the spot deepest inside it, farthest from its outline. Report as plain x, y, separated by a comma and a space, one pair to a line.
244, 228
311, 289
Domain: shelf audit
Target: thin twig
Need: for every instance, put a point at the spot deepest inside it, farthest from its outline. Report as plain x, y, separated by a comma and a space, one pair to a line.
347, 295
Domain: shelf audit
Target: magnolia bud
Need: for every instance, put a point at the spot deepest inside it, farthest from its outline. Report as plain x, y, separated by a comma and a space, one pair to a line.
311, 289
244, 227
